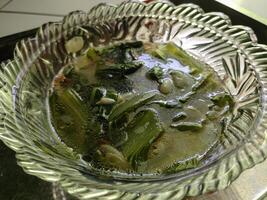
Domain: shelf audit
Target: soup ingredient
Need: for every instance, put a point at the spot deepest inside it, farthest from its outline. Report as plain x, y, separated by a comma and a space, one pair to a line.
71, 120
131, 104
156, 73
111, 157
74, 45
166, 86
141, 132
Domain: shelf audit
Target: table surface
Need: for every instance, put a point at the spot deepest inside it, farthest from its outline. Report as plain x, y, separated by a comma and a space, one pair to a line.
21, 15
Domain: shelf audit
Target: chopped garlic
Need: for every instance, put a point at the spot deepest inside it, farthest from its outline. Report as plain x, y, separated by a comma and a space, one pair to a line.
75, 44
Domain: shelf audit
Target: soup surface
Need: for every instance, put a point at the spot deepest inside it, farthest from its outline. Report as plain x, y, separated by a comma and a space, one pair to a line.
139, 107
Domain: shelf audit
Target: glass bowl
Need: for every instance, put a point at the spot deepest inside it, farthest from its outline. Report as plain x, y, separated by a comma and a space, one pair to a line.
232, 51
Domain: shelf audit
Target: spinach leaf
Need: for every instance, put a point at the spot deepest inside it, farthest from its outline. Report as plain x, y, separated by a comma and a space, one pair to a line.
77, 127
131, 104
142, 131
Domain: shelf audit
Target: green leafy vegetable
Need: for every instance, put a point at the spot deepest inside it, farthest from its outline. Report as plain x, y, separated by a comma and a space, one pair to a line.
71, 101
156, 73
129, 45
122, 69
142, 131
118, 59
172, 50
70, 117
131, 104
116, 131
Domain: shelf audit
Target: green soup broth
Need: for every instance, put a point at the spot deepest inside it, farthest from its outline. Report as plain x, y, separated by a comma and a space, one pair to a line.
139, 107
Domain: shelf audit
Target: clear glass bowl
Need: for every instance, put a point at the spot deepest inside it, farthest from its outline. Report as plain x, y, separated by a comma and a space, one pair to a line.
232, 51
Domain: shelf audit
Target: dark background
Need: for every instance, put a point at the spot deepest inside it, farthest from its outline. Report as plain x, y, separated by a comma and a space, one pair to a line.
14, 183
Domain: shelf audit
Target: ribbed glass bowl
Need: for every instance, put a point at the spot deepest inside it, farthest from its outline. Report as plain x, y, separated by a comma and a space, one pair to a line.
232, 51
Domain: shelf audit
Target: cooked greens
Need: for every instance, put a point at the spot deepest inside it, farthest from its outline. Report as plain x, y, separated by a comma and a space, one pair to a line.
156, 73
131, 104
72, 120
141, 132
138, 107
